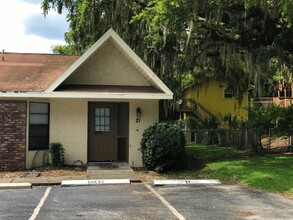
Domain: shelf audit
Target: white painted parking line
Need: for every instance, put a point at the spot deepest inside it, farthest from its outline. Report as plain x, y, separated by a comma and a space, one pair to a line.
41, 203
94, 182
186, 182
165, 202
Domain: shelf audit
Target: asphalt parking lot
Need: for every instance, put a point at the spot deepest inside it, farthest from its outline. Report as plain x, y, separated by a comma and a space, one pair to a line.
139, 201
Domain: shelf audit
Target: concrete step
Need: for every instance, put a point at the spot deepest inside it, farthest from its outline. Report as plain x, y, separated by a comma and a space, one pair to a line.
122, 171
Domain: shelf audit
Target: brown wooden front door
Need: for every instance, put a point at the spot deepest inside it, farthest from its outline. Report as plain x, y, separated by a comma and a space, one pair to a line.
102, 135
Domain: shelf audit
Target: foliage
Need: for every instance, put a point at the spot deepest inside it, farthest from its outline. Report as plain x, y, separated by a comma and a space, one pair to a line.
63, 49
211, 122
232, 122
272, 116
57, 152
193, 123
226, 121
89, 20
161, 145
229, 40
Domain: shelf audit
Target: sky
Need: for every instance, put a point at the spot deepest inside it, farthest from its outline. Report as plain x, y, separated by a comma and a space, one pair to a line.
24, 29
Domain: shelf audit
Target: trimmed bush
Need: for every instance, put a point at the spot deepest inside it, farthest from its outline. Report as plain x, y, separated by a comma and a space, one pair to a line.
162, 145
57, 154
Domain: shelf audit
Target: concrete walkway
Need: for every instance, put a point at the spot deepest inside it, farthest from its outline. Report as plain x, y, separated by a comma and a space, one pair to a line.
94, 172
111, 171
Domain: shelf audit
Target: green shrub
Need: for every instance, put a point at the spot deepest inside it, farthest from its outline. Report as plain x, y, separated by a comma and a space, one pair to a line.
161, 145
272, 116
57, 154
193, 123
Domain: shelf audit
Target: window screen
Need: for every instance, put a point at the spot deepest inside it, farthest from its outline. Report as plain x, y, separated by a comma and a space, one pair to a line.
38, 126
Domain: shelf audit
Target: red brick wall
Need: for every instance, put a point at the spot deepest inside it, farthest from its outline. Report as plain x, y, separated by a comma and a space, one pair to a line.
12, 134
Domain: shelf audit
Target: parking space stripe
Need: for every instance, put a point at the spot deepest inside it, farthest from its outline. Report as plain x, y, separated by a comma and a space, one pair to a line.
41, 203
165, 202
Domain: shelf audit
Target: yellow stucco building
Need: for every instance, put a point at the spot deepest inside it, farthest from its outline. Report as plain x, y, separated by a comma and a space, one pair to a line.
213, 98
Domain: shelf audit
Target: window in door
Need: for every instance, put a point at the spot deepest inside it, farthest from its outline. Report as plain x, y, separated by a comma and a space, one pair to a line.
102, 120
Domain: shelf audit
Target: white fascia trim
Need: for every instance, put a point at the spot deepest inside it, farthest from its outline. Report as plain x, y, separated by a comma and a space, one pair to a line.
87, 95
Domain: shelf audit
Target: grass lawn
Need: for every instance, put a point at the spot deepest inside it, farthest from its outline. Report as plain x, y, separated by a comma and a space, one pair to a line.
270, 172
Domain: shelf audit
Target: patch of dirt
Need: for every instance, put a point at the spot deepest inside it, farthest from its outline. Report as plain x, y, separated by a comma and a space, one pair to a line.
283, 141
277, 144
149, 176
6, 174
288, 196
46, 172
64, 171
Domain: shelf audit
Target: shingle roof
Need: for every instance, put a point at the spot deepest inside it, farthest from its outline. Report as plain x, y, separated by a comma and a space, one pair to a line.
24, 72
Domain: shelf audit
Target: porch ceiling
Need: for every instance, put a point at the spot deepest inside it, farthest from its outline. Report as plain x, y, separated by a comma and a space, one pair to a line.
107, 89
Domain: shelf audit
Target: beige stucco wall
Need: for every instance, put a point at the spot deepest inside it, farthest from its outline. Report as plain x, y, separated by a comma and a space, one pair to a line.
69, 126
149, 115
108, 66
